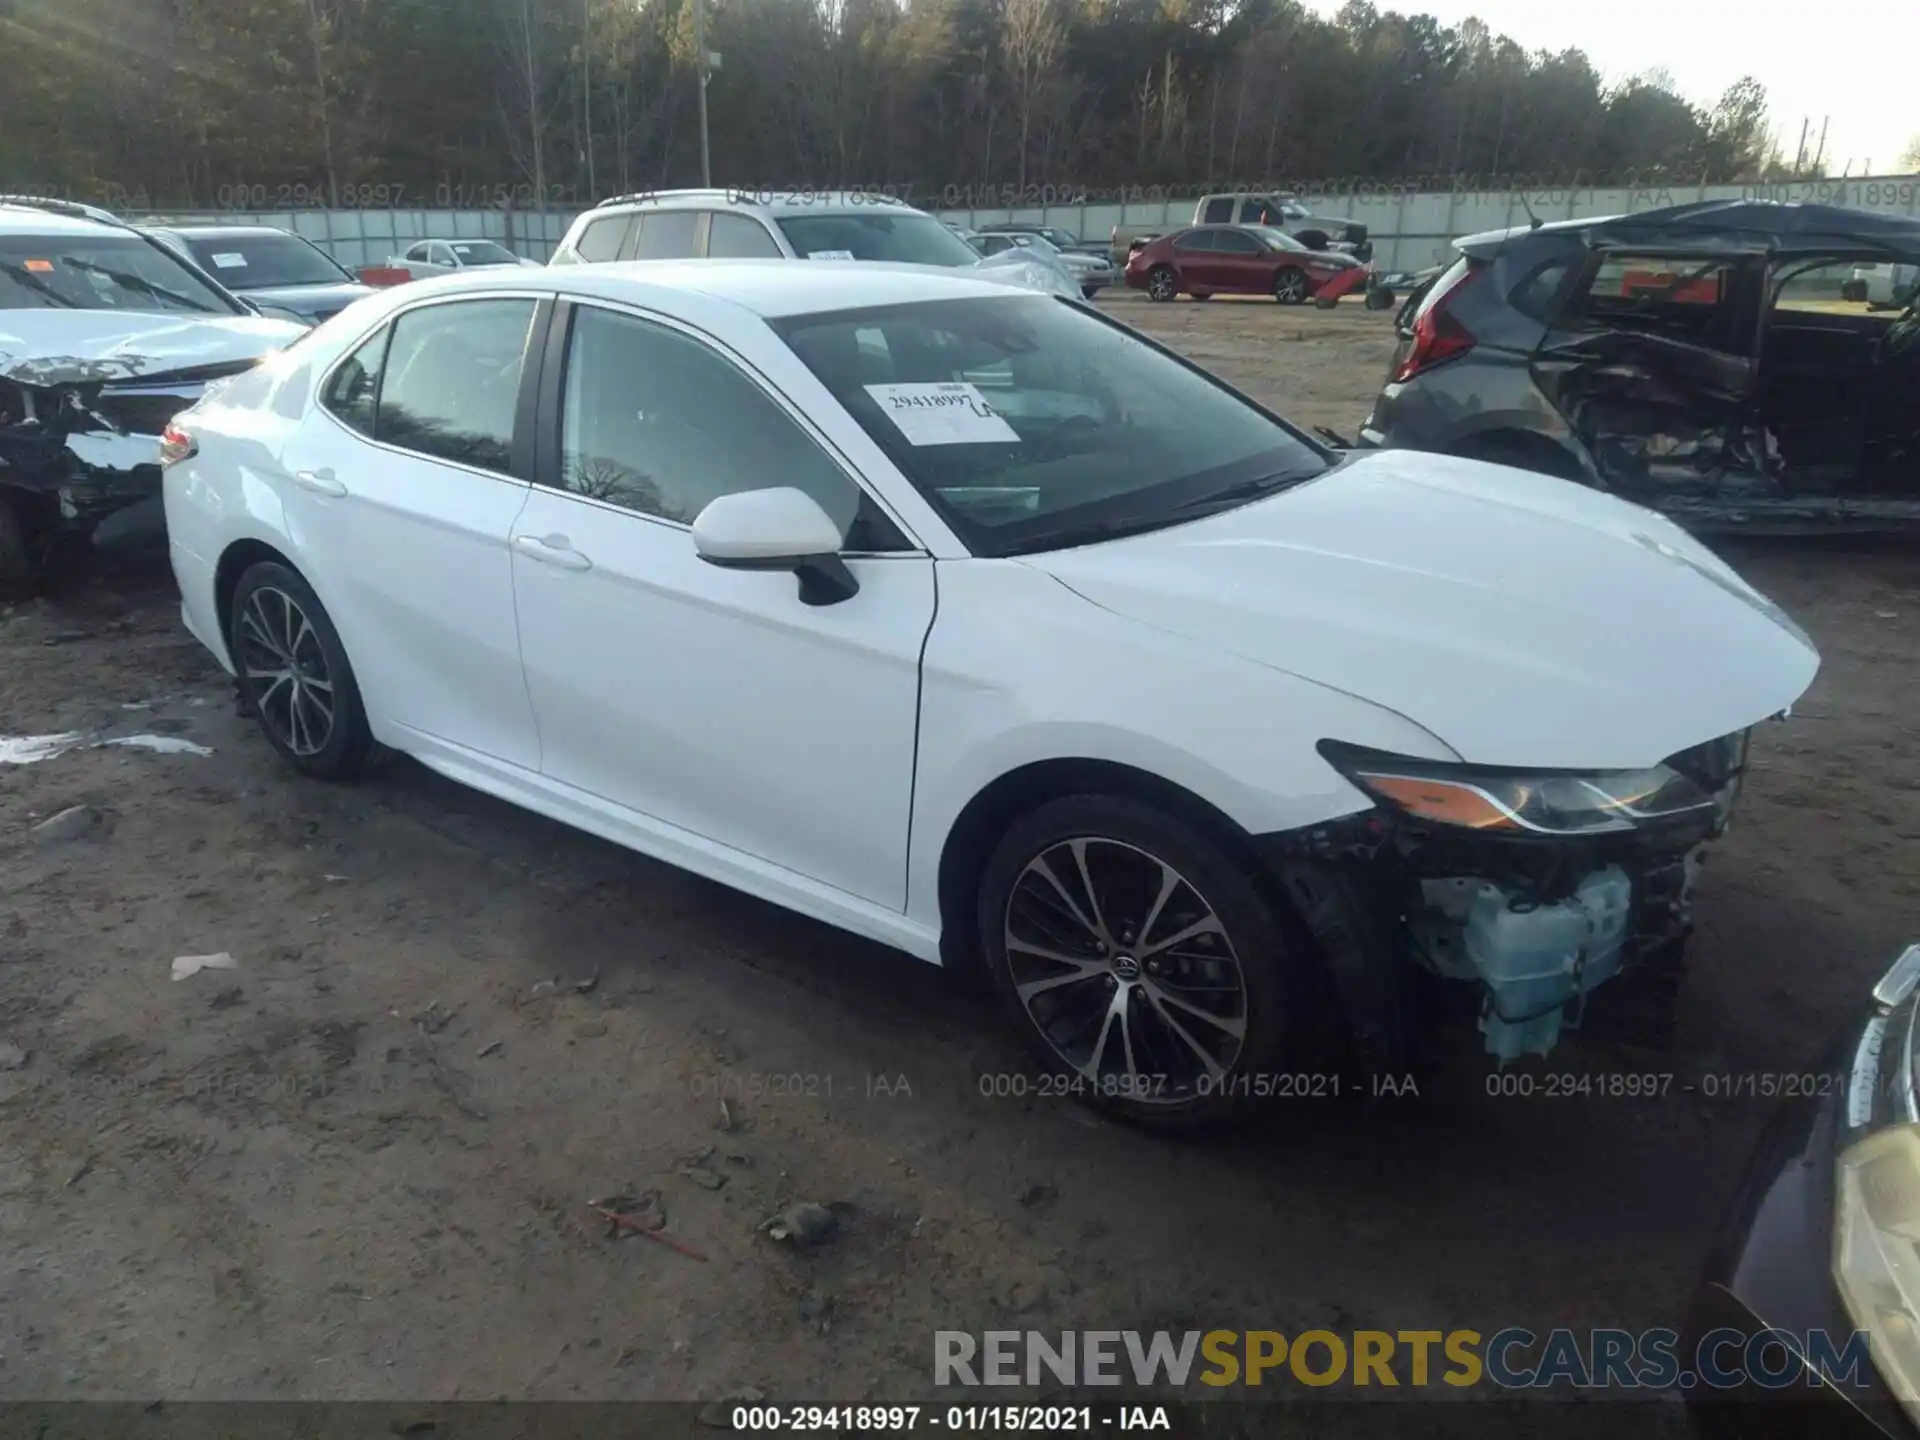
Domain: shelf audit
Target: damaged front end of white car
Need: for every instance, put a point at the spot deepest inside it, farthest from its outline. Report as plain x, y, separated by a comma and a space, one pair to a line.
1518, 892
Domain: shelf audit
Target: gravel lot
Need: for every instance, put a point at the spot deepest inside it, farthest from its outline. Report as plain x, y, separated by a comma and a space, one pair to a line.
356, 1164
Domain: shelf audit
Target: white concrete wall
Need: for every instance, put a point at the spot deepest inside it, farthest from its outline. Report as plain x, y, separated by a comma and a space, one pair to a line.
1413, 229
1410, 229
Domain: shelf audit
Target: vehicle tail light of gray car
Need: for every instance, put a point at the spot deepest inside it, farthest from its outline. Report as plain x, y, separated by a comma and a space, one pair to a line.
1438, 335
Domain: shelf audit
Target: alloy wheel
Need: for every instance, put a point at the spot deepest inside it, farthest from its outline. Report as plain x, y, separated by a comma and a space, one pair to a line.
1125, 970
285, 667
1162, 286
1290, 288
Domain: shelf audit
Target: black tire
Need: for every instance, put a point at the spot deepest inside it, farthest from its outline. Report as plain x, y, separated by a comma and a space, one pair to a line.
276, 616
1162, 283
1290, 285
1200, 295
19, 574
1380, 297
1313, 239
1130, 847
1854, 291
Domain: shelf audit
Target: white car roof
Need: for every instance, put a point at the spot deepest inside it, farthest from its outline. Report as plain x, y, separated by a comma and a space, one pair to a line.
770, 289
26, 220
773, 204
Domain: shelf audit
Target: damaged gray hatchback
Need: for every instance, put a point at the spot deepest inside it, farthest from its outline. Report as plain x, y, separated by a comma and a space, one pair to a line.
1704, 360
105, 335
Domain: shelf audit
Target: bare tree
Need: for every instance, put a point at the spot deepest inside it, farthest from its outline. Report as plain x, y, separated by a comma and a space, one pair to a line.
1032, 38
1910, 157
526, 101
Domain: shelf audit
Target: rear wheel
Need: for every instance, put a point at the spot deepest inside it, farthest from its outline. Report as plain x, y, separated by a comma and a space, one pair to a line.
294, 674
1141, 965
1290, 285
1162, 283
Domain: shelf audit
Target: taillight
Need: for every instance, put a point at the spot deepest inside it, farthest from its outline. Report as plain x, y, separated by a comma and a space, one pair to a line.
176, 445
1437, 335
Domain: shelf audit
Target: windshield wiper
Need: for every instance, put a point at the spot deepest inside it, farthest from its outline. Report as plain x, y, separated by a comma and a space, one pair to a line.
137, 284
1246, 490
33, 282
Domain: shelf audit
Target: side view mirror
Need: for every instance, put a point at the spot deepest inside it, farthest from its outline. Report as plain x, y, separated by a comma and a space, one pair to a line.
777, 529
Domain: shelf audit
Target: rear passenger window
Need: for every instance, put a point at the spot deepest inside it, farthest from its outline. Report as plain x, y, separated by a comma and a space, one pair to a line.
667, 235
1218, 211
1534, 296
1197, 240
735, 237
354, 386
600, 240
451, 381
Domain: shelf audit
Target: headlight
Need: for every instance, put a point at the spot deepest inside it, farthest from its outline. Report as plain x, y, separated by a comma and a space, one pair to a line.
1521, 802
1876, 1252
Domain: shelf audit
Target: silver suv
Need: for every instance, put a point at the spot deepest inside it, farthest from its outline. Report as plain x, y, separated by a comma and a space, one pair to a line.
809, 225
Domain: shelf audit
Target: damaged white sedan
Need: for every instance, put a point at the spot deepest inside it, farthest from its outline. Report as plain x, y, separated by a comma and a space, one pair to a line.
105, 335
978, 624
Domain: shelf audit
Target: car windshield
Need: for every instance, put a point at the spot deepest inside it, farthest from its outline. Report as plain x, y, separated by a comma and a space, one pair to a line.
254, 262
1059, 238
482, 252
1034, 240
100, 272
911, 239
1032, 424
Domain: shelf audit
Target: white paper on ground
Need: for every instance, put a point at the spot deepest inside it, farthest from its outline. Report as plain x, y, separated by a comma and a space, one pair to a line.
942, 413
161, 744
30, 749
185, 965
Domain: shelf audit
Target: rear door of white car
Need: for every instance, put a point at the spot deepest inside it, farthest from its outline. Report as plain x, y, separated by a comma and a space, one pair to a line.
404, 483
710, 699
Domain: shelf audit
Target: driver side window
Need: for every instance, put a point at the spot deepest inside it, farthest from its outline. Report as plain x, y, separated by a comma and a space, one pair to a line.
659, 423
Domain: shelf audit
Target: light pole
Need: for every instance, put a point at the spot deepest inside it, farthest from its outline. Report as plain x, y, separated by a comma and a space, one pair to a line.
703, 60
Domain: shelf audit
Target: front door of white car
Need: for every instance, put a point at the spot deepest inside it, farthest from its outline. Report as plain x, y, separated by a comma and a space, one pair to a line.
713, 700
419, 519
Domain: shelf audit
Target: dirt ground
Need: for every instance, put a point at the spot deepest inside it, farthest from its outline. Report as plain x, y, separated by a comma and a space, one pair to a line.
356, 1165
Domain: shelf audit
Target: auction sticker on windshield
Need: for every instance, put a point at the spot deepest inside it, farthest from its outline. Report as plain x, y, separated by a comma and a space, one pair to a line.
942, 413
228, 260
829, 255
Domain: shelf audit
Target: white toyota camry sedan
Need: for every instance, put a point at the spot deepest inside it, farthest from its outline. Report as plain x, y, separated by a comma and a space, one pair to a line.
976, 623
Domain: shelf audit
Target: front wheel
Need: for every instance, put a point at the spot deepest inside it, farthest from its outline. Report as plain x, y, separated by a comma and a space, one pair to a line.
294, 673
1141, 965
1290, 286
1162, 283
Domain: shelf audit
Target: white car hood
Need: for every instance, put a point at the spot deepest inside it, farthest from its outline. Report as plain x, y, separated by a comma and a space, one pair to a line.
54, 347
1521, 620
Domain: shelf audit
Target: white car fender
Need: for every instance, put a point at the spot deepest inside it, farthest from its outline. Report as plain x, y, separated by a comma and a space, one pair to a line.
1234, 733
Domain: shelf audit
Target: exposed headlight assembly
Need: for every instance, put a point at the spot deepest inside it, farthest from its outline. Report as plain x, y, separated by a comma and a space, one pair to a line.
1522, 802
1876, 1252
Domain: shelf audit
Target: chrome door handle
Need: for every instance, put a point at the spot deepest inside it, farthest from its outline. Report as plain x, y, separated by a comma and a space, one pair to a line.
554, 551
321, 482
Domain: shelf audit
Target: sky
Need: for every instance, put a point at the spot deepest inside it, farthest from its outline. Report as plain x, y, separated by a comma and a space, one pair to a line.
1853, 62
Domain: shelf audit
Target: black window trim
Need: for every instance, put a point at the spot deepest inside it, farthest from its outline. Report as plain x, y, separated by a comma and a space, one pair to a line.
545, 470
520, 447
